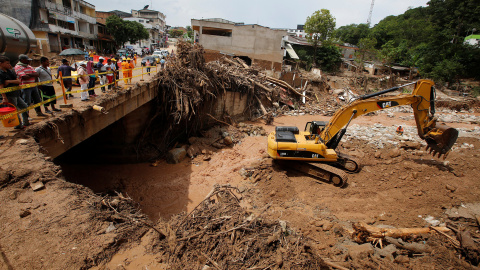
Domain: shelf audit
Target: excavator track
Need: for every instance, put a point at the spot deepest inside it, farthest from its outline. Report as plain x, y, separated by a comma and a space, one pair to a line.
321, 171
348, 163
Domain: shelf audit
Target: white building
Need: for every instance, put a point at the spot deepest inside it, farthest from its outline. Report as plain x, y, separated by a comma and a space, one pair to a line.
153, 31
299, 32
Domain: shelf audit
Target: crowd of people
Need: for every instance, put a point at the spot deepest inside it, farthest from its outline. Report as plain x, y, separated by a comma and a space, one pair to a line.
87, 71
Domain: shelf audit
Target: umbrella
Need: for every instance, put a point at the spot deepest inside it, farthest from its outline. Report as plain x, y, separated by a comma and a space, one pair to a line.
71, 52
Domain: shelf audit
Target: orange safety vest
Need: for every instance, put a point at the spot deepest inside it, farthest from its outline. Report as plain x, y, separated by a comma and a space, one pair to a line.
125, 66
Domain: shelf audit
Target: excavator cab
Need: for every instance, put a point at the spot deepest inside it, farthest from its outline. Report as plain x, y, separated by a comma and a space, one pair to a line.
314, 129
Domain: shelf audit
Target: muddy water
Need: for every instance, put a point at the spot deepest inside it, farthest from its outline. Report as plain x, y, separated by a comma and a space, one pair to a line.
167, 189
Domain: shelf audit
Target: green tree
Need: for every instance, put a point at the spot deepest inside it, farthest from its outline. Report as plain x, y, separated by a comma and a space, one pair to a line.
319, 27
352, 33
174, 33
123, 31
189, 31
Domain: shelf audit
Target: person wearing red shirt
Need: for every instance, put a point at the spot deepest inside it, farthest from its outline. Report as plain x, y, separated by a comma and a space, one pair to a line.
28, 75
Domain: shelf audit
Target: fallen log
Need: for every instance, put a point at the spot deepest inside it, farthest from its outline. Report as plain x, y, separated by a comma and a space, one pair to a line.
260, 85
366, 233
414, 247
242, 63
261, 106
231, 62
286, 85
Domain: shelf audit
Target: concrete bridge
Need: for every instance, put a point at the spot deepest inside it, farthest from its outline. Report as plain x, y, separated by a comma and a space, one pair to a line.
128, 109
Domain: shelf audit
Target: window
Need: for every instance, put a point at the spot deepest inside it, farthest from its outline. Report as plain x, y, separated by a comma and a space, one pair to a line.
140, 20
217, 31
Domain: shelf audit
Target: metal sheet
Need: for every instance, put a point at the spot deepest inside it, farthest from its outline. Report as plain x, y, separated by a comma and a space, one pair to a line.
291, 51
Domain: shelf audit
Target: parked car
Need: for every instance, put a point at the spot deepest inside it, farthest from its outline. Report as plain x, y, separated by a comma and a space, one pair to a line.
158, 53
152, 60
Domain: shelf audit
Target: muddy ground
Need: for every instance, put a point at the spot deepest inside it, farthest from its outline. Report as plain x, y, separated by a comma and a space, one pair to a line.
78, 221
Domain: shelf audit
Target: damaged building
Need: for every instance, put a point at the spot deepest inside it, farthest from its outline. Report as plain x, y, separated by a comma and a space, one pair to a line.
253, 43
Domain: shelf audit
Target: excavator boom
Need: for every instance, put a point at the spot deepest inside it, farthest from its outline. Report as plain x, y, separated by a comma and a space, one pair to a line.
439, 138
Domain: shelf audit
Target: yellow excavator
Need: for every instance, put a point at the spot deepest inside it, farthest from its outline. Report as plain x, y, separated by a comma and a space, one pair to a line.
313, 150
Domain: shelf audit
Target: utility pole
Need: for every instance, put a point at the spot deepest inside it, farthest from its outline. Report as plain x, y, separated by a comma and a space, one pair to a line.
369, 20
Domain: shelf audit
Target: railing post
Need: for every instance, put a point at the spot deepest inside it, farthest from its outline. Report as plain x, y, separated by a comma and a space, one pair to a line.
63, 87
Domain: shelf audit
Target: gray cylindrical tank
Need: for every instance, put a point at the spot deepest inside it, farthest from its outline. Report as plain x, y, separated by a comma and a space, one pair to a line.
16, 38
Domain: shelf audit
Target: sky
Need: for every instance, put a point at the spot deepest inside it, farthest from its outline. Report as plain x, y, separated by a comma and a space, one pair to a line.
269, 13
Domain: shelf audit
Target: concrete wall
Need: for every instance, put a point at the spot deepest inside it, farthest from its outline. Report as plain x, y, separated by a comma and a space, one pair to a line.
255, 41
18, 9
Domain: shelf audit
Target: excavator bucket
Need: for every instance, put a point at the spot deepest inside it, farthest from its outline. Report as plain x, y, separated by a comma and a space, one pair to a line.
441, 139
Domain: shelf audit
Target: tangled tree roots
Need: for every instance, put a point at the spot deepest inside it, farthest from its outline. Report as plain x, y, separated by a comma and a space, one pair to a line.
221, 234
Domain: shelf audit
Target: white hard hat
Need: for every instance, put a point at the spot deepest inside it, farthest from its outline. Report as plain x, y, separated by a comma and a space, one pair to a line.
101, 58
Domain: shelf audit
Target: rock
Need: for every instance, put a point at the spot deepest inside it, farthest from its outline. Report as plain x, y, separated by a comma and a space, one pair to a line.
402, 259
22, 141
395, 152
411, 145
272, 193
176, 155
228, 140
13, 195
319, 223
418, 193
327, 225
217, 145
386, 251
206, 267
360, 252
450, 188
110, 228
4, 177
415, 175
192, 140
37, 186
283, 225
378, 154
192, 151
115, 202
24, 213
466, 211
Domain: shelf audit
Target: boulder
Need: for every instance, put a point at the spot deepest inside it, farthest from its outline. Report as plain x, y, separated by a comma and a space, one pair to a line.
176, 155
395, 152
360, 252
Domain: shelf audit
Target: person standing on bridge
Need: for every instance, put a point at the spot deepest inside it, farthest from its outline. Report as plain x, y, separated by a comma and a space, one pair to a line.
83, 79
91, 78
125, 67
48, 91
66, 72
8, 78
131, 66
28, 75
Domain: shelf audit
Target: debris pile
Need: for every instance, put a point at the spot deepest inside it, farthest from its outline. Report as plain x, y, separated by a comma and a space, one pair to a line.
220, 234
188, 87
